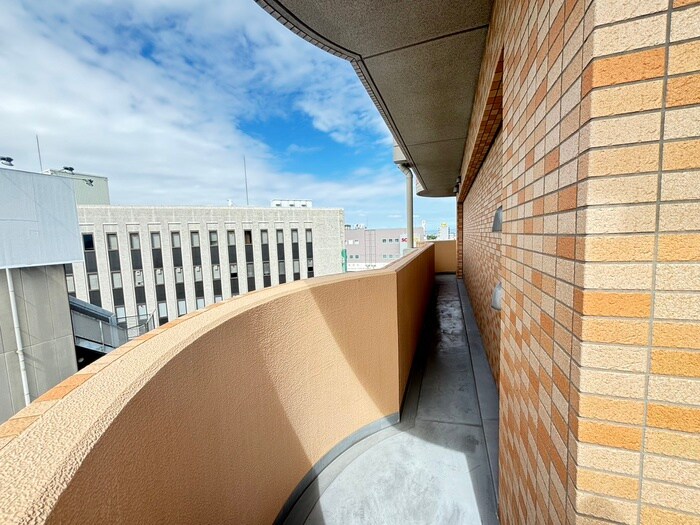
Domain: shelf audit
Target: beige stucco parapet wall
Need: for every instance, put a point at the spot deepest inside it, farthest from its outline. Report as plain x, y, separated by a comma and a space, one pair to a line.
445, 255
217, 416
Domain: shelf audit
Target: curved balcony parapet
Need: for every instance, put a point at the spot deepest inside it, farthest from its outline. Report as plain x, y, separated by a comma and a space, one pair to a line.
219, 415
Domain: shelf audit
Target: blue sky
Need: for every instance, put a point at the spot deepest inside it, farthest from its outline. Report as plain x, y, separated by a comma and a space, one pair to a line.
166, 96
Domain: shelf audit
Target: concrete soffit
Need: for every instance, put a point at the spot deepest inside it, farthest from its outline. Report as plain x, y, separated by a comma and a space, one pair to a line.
419, 62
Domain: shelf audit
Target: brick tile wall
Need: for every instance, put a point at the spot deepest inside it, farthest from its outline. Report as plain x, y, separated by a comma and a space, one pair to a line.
599, 361
482, 250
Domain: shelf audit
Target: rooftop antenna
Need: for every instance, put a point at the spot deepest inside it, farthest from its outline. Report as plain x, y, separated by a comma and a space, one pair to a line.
245, 174
38, 150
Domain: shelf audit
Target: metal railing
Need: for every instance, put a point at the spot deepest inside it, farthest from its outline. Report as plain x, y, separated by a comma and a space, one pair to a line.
94, 330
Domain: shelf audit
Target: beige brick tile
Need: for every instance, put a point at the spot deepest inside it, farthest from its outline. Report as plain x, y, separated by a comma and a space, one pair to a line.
629, 36
678, 276
628, 129
619, 219
684, 58
617, 248
620, 190
613, 357
672, 470
677, 444
674, 389
633, 276
628, 98
679, 216
681, 498
618, 161
658, 516
612, 510
685, 23
684, 185
607, 484
682, 123
610, 459
611, 383
608, 11
669, 305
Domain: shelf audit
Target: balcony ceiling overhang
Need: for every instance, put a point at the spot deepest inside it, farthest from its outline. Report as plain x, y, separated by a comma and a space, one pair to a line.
419, 61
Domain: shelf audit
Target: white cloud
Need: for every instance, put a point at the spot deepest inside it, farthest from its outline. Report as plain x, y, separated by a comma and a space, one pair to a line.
154, 94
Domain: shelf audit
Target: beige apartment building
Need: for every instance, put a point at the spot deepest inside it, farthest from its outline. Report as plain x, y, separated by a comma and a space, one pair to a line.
556, 376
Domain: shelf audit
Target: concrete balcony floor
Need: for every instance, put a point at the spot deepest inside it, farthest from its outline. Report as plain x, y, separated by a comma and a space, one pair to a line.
439, 464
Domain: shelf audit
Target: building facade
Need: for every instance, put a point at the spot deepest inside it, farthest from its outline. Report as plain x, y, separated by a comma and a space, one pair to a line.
369, 249
158, 263
88, 188
38, 234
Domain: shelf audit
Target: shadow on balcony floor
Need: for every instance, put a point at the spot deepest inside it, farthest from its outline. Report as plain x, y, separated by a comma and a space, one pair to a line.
439, 464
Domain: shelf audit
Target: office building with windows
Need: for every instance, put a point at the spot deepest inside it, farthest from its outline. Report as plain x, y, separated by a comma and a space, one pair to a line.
369, 249
150, 265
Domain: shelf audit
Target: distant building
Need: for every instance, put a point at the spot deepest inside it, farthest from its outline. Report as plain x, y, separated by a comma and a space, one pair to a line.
38, 234
88, 189
369, 249
150, 265
291, 203
444, 233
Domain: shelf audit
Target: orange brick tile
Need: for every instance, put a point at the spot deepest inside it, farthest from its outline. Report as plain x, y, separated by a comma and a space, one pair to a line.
567, 198
675, 363
566, 247
610, 435
683, 3
677, 335
610, 409
15, 426
660, 516
642, 65
685, 247
551, 160
684, 419
610, 304
682, 155
613, 331
683, 91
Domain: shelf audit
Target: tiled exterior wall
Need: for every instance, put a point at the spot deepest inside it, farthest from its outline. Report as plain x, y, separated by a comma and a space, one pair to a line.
482, 250
600, 330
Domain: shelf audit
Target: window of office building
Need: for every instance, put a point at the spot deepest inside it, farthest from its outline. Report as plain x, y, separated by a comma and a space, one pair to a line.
310, 265
155, 240
218, 298
160, 276
251, 270
181, 307
138, 277
231, 237
309, 236
134, 241
175, 239
200, 303
179, 277
112, 243
120, 312
142, 312
248, 235
116, 280
88, 242
295, 266
281, 267
280, 236
295, 235
266, 268
216, 272
233, 269
213, 238
194, 239
93, 282
264, 239
197, 273
70, 283
163, 310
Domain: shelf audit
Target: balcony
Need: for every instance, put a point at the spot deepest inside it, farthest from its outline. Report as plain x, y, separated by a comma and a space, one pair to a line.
280, 404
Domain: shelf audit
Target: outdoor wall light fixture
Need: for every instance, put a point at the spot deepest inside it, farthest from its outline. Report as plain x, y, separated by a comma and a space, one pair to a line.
498, 220
7, 161
497, 297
